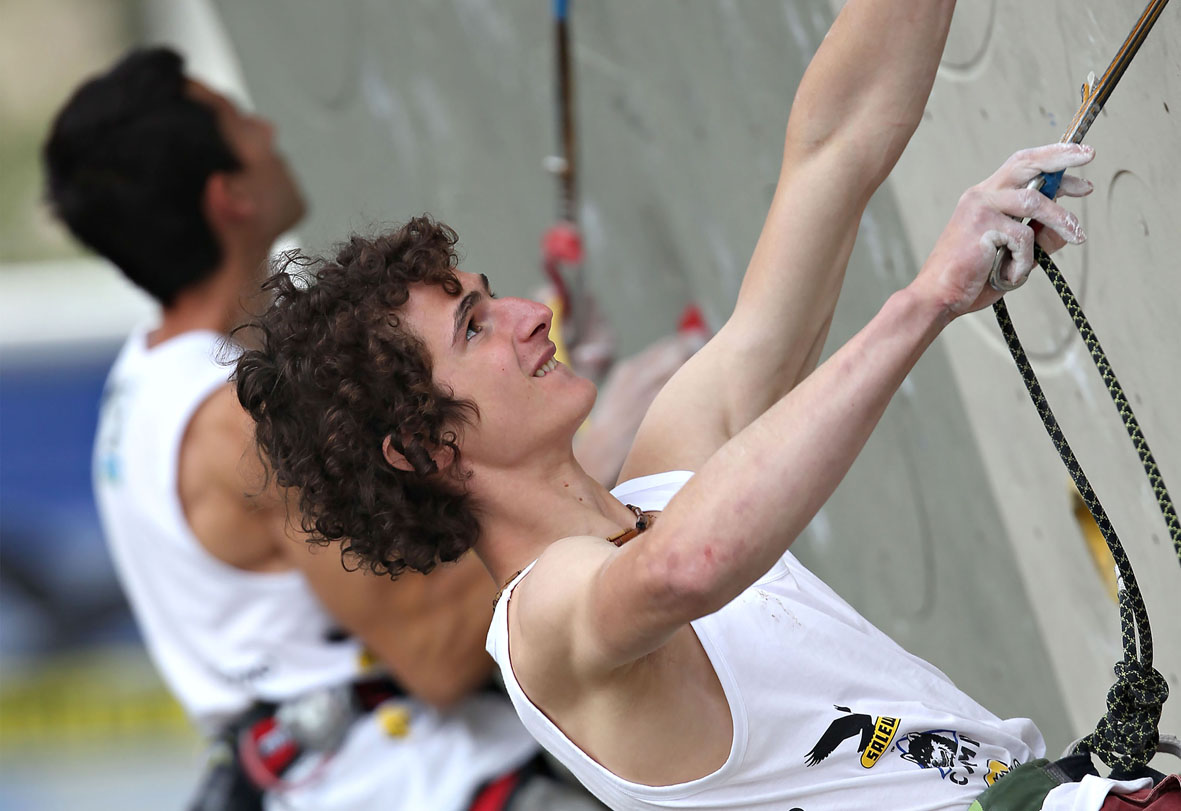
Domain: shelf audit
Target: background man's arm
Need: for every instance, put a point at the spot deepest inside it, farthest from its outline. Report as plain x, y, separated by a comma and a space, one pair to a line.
602, 444
857, 105
429, 631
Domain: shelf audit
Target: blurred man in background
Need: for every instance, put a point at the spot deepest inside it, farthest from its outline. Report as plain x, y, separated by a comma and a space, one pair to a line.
325, 688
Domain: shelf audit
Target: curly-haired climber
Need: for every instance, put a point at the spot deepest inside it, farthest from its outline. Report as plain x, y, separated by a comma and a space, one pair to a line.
659, 638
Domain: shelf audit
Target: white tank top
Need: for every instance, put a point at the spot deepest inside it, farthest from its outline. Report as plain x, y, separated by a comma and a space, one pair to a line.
829, 713
222, 637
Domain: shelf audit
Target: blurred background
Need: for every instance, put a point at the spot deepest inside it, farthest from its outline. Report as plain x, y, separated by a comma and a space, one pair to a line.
84, 720
956, 532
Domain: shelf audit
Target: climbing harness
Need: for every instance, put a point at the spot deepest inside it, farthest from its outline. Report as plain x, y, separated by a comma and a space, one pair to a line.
254, 752
1127, 736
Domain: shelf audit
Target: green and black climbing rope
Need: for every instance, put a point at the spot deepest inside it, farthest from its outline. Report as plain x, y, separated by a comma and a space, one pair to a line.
1127, 736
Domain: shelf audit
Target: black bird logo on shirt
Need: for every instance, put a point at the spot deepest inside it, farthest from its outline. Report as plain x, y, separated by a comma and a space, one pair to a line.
839, 731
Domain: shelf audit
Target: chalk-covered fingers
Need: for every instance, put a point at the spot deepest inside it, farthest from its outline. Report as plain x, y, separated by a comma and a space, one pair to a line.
1069, 186
1060, 227
1010, 193
1074, 186
1027, 164
1024, 166
1018, 239
989, 216
1031, 204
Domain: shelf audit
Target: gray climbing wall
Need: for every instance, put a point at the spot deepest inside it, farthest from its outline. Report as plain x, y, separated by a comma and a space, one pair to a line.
954, 531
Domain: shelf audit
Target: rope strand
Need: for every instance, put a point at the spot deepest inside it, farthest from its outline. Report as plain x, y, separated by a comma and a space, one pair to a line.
1127, 736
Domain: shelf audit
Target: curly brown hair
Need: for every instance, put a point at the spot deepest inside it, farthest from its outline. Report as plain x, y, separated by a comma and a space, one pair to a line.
335, 375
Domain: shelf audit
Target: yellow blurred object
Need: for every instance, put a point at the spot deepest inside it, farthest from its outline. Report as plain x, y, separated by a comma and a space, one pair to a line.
555, 335
1100, 554
367, 660
555, 330
394, 720
107, 695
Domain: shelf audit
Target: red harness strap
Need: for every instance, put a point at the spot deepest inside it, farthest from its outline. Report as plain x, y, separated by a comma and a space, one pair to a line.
495, 795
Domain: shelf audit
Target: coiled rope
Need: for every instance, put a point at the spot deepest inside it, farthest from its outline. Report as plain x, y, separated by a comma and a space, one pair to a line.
1127, 736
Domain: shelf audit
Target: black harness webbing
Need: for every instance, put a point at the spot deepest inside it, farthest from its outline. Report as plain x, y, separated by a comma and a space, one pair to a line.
1127, 736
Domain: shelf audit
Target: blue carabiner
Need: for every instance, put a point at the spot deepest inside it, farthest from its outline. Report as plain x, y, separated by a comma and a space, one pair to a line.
1050, 183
